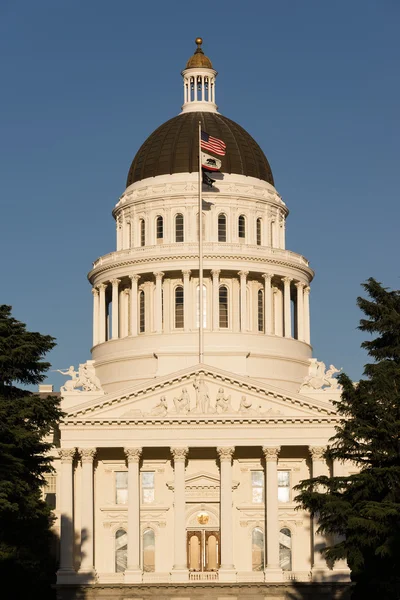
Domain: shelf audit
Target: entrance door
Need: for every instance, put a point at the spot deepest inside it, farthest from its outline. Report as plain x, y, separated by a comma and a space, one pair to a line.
203, 550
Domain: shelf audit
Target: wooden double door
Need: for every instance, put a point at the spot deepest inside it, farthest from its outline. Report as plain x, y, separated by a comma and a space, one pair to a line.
203, 550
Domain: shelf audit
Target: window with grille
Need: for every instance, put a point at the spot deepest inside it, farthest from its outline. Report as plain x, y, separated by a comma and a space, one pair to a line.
260, 312
223, 307
148, 487
179, 308
142, 232
179, 234
242, 227
121, 487
121, 551
258, 226
284, 486
257, 487
285, 549
149, 551
159, 229
50, 491
257, 549
142, 314
221, 228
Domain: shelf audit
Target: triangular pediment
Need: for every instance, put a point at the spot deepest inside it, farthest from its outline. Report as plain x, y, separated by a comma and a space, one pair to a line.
199, 393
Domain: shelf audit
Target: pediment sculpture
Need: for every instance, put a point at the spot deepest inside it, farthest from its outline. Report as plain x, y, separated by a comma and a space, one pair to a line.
320, 378
82, 380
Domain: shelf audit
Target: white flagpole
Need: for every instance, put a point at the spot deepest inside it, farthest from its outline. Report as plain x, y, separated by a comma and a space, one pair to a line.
201, 328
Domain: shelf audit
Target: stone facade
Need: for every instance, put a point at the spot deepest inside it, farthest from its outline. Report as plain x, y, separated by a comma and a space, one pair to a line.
176, 466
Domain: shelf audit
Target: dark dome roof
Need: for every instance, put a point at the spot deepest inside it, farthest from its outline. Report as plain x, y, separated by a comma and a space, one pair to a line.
173, 148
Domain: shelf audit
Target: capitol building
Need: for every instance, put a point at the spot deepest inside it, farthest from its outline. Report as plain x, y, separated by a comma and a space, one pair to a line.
201, 406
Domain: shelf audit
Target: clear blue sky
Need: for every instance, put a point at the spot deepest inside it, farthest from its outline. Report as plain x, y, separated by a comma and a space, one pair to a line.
83, 83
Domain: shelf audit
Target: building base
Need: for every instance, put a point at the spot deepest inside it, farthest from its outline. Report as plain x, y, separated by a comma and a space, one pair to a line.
211, 591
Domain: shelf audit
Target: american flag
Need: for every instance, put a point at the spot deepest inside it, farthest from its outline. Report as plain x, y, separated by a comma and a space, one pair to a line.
212, 144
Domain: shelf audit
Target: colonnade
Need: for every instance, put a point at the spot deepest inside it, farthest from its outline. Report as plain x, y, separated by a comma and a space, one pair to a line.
133, 573
277, 296
198, 88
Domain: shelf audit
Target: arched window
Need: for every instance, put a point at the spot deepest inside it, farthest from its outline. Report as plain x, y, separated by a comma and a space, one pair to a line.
258, 227
179, 234
260, 310
285, 549
121, 550
142, 232
179, 310
142, 313
242, 227
257, 549
204, 306
223, 307
222, 228
149, 551
159, 229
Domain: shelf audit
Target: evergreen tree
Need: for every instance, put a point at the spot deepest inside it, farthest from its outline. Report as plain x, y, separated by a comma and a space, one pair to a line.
362, 512
26, 423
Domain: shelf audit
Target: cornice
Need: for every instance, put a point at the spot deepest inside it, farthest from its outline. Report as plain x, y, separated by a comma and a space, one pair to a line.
150, 260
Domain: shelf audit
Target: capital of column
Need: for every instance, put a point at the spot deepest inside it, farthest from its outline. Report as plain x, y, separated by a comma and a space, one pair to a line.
134, 277
243, 274
186, 273
159, 275
271, 453
67, 454
267, 276
287, 280
225, 452
126, 291
299, 285
102, 286
133, 454
317, 452
307, 289
95, 291
87, 454
179, 454
215, 272
115, 282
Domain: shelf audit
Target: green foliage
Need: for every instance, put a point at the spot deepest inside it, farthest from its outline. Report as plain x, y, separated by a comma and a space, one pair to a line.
26, 424
362, 511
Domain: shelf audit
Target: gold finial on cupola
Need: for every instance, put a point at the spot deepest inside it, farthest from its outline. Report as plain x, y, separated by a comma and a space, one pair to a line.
199, 60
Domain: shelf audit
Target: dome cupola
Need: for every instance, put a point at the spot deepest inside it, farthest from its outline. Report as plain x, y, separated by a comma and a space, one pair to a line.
199, 83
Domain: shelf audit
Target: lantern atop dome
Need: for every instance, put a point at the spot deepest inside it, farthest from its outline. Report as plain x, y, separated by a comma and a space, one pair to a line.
199, 82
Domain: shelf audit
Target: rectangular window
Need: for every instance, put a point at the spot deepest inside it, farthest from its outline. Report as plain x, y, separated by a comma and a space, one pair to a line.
121, 487
50, 490
147, 487
284, 486
257, 487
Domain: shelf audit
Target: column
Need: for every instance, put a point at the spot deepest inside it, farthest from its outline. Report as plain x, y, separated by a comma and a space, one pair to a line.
243, 307
87, 523
300, 311
186, 299
158, 302
133, 573
287, 309
227, 570
267, 303
95, 293
319, 467
115, 308
134, 301
102, 313
340, 568
67, 524
307, 314
215, 298
180, 570
273, 571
